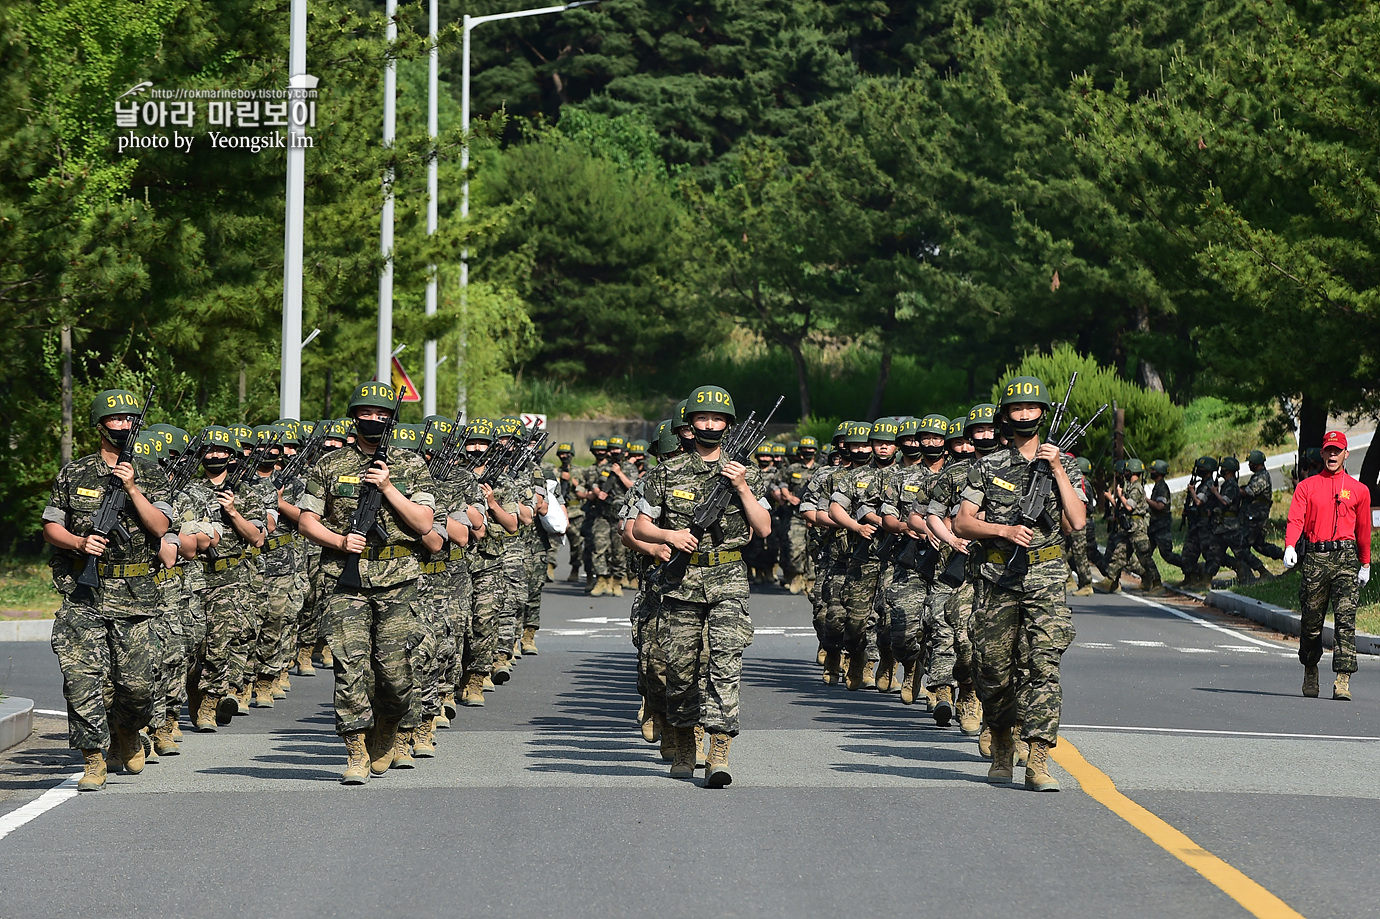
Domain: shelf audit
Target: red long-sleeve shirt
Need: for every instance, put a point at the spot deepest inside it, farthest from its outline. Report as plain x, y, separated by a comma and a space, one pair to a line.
1331, 506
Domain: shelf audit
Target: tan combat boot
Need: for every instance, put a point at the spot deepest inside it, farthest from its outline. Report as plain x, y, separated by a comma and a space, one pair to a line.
682, 752
176, 728
886, 674
1341, 687
574, 576
227, 707
402, 751
442, 720
869, 679
263, 692
489, 683
930, 698
327, 660
146, 741
857, 667
908, 684
93, 778
304, 667
1310, 681
382, 741
969, 711
206, 715
668, 739
1107, 587
716, 771
424, 739
163, 743
1003, 752
448, 709
944, 706
651, 730
357, 760
529, 640
820, 655
1020, 746
615, 587
282, 686
473, 693
1037, 775
699, 747
503, 669
1085, 591
128, 748
985, 741
243, 697
831, 668
601, 587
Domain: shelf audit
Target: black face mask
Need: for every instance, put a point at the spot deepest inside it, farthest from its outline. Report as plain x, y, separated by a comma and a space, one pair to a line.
883, 462
118, 439
909, 450
932, 452
370, 429
1026, 428
708, 438
215, 466
984, 445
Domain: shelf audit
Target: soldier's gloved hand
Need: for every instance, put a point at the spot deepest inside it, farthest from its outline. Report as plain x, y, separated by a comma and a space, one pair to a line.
1291, 557
1363, 576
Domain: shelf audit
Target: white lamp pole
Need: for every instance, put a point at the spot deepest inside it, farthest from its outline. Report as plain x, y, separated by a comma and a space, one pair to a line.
384, 371
469, 24
432, 130
290, 366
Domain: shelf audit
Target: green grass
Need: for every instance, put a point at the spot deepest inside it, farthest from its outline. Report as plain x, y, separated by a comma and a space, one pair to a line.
1217, 428
26, 584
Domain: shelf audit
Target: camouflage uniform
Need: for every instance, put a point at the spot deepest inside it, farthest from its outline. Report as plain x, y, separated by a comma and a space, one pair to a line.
851, 617
827, 543
513, 493
1257, 496
371, 627
575, 513
278, 567
796, 557
1137, 539
904, 594
1161, 528
1200, 521
948, 616
454, 588
102, 636
648, 624
1023, 628
707, 625
1226, 531
1329, 577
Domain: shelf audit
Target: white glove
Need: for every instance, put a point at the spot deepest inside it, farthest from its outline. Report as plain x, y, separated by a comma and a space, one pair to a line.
1363, 576
1291, 557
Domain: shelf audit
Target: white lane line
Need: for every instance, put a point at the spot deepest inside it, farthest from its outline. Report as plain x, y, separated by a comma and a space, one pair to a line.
1144, 730
1244, 649
1141, 644
40, 805
1272, 645
49, 711
1100, 645
1198, 650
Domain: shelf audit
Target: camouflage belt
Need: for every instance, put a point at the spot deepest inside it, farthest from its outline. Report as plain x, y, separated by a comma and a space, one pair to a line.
435, 567
712, 558
502, 533
457, 553
384, 553
276, 542
173, 572
221, 564
123, 571
1047, 554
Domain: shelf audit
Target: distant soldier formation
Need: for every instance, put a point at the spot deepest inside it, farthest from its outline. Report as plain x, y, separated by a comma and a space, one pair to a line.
198, 571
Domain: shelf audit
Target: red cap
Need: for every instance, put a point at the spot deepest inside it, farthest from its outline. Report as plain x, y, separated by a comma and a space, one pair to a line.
1334, 439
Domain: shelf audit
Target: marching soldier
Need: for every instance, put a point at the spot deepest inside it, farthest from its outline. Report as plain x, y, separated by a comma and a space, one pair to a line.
1129, 497
1161, 529
1257, 497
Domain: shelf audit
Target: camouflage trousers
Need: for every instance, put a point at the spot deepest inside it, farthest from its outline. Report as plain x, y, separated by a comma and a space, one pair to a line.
454, 596
309, 625
1019, 637
603, 548
514, 600
879, 633
905, 600
574, 538
1330, 578
796, 557
430, 632
536, 580
944, 606
169, 630
819, 595
649, 637
270, 650
1119, 540
704, 645
1137, 541
244, 642
481, 637
851, 617
1077, 551
1226, 538
1161, 534
108, 672
226, 601
1245, 537
1197, 544
371, 631
1253, 532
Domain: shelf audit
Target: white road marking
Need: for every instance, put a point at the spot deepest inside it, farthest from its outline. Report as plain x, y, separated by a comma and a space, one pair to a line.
40, 805
1141, 644
1095, 644
598, 620
1244, 649
49, 711
1145, 730
1272, 645
1197, 650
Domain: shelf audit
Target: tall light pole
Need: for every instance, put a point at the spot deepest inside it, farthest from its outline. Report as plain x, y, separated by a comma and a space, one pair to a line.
290, 361
469, 24
432, 130
390, 92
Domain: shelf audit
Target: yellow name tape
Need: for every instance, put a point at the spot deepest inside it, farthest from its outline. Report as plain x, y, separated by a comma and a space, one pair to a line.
349, 479
88, 492
1004, 484
687, 495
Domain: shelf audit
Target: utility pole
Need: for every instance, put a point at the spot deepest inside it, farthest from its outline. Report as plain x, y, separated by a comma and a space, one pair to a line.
384, 372
290, 368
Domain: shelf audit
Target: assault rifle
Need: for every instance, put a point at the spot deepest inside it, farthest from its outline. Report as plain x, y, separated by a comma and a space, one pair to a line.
365, 521
249, 465
107, 519
442, 462
1031, 507
185, 466
737, 446
303, 459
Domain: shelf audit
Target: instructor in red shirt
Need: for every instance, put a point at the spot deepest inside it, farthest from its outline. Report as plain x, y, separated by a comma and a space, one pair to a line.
1331, 510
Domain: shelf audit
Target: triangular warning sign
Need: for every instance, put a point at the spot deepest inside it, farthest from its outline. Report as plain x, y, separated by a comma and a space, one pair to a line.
400, 378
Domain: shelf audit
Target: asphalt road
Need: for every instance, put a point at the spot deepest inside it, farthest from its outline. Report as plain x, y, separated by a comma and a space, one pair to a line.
547, 800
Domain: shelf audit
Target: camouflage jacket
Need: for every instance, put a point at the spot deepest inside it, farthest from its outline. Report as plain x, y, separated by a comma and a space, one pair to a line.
1257, 496
1160, 493
333, 488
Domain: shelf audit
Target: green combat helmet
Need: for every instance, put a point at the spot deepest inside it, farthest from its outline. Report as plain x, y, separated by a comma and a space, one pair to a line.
678, 419
840, 432
711, 399
958, 429
793, 448
1135, 467
933, 424
1119, 467
982, 413
1160, 466
1085, 465
616, 444
439, 423
1205, 466
778, 450
481, 430
859, 432
763, 449
151, 447
667, 442
565, 448
114, 402
218, 437
637, 448
1024, 389
599, 445
1255, 457
372, 394
1229, 464
884, 430
808, 443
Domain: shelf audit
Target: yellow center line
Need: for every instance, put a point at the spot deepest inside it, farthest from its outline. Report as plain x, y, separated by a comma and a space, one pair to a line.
1256, 899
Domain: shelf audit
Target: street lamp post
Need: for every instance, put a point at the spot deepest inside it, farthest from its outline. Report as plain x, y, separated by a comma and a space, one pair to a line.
469, 24
390, 95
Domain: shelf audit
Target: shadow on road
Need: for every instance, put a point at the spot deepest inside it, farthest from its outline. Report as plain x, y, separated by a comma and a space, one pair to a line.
41, 761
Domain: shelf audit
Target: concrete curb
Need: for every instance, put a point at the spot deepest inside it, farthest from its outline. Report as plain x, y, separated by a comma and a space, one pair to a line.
26, 630
1281, 619
16, 721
